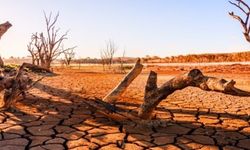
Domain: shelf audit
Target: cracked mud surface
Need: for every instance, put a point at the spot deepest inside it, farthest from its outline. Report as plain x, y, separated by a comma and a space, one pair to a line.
53, 116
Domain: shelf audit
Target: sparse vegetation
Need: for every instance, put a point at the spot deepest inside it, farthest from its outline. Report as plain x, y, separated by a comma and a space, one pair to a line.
122, 61
46, 46
201, 58
69, 55
107, 54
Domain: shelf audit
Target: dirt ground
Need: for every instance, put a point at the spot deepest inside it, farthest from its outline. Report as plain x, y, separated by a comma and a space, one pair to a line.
54, 115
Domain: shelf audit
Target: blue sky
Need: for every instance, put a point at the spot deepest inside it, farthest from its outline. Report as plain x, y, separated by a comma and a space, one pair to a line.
141, 27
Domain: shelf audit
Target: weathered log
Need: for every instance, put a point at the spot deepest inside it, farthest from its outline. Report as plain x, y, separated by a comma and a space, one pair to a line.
123, 85
18, 84
12, 87
154, 95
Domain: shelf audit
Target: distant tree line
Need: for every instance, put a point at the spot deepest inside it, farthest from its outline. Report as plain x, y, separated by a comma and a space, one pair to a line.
89, 60
198, 58
46, 47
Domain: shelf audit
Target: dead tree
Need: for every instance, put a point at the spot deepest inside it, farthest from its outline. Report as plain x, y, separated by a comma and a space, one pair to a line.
32, 52
34, 48
52, 43
107, 54
245, 9
69, 55
154, 94
3, 28
103, 60
122, 86
13, 86
121, 61
48, 44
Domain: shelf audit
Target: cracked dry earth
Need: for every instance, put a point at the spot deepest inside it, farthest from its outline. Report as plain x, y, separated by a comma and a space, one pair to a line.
55, 117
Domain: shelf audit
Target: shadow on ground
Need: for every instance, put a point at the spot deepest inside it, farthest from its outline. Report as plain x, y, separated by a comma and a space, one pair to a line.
52, 118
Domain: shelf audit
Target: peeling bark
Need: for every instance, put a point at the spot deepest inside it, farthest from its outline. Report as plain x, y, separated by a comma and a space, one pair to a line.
123, 85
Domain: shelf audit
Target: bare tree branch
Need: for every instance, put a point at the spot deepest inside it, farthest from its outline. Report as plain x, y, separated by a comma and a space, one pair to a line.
48, 45
241, 5
69, 54
107, 54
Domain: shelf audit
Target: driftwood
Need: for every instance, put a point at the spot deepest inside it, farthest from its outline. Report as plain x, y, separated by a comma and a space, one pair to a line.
154, 95
123, 85
11, 87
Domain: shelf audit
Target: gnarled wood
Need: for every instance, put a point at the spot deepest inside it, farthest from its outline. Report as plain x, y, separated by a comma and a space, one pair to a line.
123, 85
11, 87
245, 9
154, 95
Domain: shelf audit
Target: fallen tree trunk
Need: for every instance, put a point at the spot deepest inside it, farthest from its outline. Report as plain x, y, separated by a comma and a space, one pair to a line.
11, 87
154, 95
123, 85
18, 85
